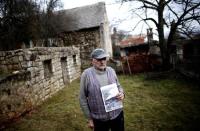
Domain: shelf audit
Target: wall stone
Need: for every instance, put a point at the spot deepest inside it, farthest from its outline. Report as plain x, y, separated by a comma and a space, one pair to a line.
86, 40
33, 75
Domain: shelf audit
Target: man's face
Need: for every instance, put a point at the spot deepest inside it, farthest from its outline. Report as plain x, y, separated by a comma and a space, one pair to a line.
99, 64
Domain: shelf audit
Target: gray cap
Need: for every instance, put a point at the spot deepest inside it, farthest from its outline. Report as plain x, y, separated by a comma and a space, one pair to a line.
99, 53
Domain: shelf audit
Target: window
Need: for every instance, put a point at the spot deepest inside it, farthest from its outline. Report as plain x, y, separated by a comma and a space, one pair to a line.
64, 70
74, 59
47, 68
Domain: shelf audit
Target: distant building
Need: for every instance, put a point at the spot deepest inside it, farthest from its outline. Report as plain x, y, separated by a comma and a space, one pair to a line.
136, 53
186, 57
133, 44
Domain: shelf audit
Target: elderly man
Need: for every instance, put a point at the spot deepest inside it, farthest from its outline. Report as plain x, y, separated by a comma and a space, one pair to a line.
92, 103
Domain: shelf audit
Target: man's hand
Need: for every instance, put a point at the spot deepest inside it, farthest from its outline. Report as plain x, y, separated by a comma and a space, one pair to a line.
90, 124
120, 96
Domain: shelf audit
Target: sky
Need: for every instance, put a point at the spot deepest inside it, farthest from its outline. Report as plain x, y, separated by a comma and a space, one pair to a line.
119, 15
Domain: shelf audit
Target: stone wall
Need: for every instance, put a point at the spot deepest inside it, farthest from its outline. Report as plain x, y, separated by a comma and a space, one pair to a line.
86, 40
33, 75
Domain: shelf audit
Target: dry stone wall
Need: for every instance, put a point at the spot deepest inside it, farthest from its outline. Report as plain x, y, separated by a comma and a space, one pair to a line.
86, 40
33, 75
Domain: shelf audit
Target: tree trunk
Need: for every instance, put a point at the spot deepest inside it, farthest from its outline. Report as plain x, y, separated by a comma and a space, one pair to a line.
162, 43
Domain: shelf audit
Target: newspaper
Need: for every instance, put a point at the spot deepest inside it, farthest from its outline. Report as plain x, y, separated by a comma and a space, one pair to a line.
109, 93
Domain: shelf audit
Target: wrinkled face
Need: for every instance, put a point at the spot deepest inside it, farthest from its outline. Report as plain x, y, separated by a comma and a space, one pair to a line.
99, 64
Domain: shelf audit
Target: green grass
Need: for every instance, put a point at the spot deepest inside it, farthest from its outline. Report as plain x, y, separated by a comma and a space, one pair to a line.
150, 105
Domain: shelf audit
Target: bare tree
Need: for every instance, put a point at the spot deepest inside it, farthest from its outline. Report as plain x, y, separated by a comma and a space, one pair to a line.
182, 16
18, 21
49, 18
22, 21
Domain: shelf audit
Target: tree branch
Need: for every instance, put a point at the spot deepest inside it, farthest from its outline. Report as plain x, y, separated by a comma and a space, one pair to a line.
137, 25
149, 7
173, 11
167, 2
153, 20
149, 3
187, 11
190, 18
184, 32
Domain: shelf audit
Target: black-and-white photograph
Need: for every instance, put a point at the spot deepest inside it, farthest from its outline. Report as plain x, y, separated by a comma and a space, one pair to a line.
109, 94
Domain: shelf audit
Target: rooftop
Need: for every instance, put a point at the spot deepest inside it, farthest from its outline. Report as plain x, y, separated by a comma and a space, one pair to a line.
133, 41
83, 17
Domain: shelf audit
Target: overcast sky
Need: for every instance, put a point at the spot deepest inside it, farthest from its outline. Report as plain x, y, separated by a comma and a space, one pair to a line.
118, 15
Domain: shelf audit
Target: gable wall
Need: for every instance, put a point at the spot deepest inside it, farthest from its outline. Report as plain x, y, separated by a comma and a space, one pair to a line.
86, 40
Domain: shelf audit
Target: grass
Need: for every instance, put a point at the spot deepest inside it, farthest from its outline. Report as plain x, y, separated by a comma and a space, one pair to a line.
150, 105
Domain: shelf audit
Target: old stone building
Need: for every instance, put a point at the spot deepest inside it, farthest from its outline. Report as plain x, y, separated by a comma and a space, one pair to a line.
86, 27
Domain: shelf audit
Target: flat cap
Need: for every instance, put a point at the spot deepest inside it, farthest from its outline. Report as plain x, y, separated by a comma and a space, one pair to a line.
99, 53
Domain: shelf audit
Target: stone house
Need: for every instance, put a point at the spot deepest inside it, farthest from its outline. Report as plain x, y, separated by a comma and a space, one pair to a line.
86, 27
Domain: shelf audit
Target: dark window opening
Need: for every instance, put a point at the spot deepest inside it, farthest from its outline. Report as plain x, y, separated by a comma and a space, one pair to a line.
47, 68
64, 69
74, 59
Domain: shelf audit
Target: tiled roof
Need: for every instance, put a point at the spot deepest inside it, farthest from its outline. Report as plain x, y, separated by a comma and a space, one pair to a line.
132, 41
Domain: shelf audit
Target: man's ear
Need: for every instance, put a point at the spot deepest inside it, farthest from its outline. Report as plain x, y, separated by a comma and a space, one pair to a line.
92, 61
